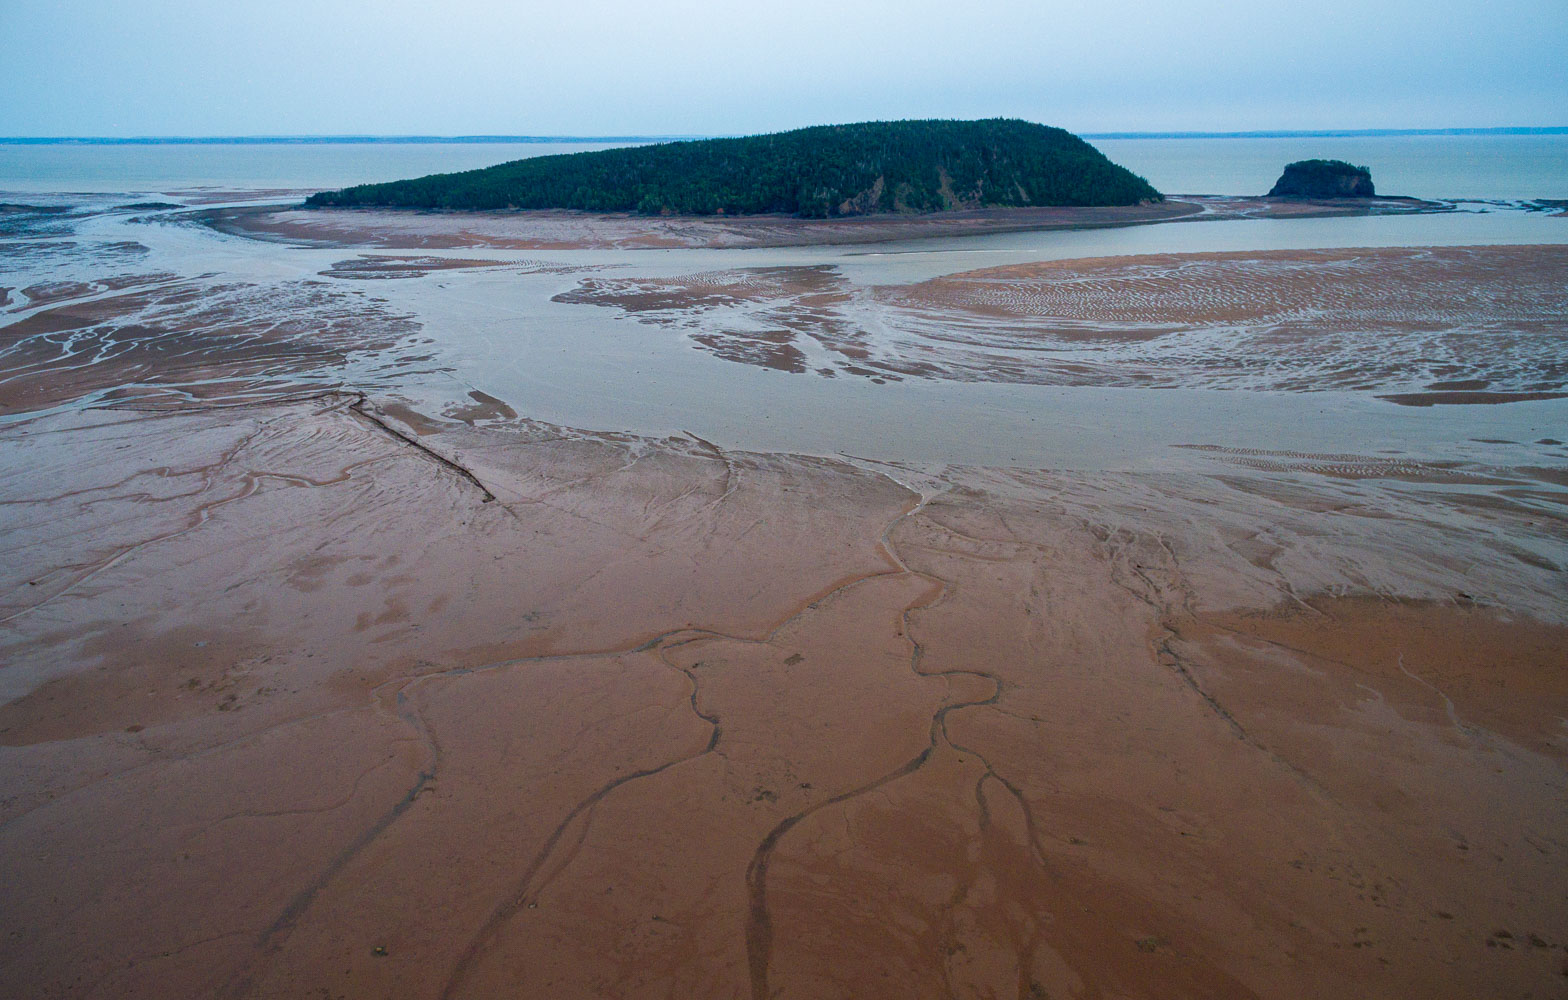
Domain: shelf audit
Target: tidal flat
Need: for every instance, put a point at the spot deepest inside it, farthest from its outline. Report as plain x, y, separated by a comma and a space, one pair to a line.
431, 606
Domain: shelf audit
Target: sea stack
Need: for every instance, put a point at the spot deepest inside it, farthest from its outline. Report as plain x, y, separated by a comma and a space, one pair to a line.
1323, 179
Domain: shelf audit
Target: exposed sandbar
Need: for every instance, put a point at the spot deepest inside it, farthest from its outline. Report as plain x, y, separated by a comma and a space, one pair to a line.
1413, 320
398, 229
563, 230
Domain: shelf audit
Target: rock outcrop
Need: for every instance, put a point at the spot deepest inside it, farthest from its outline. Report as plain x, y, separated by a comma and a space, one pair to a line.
1323, 179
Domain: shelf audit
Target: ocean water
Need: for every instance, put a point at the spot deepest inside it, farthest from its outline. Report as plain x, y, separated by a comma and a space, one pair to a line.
1423, 166
104, 168
1420, 166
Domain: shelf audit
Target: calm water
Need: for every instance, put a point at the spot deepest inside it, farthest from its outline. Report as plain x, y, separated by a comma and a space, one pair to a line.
1421, 166
108, 168
1426, 166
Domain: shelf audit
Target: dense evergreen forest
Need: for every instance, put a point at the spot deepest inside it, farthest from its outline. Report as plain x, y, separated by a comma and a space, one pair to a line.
1323, 179
829, 170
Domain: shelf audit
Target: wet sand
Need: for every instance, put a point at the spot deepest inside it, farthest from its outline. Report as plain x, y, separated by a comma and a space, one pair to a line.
566, 230
563, 230
160, 338
293, 703
308, 691
1485, 320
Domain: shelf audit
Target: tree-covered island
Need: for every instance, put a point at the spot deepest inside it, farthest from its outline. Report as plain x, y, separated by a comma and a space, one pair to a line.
820, 172
1323, 179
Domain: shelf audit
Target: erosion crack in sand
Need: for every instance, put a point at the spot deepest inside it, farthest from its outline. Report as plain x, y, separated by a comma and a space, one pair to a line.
360, 407
759, 930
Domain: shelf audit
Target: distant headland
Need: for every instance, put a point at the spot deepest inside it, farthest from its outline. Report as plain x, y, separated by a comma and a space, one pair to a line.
826, 171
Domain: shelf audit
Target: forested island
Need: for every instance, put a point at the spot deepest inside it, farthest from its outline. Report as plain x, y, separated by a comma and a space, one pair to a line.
820, 172
1323, 179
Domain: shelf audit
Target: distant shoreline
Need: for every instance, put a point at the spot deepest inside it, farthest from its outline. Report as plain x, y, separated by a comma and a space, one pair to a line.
1350, 133
330, 140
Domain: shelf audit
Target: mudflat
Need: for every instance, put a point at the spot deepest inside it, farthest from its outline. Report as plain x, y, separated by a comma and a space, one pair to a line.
566, 230
312, 686
1490, 318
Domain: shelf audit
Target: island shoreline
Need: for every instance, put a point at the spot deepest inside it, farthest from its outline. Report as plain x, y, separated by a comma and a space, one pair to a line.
559, 229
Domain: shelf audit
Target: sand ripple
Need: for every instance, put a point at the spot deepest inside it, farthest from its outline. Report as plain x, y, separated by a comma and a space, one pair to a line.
1389, 320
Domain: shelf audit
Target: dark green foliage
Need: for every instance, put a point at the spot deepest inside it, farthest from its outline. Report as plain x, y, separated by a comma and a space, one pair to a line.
830, 170
1323, 179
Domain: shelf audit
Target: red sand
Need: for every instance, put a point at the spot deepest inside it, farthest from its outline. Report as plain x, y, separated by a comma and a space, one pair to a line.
292, 707
333, 697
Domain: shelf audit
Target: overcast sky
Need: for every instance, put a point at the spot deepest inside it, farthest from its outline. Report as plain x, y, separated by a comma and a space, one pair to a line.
600, 67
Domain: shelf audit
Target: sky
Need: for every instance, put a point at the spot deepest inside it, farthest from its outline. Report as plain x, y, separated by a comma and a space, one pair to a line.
670, 67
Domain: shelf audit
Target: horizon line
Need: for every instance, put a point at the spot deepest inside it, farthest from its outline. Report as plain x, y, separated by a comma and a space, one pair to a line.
421, 139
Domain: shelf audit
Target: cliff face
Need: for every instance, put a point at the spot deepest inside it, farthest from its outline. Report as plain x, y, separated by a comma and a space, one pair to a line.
1323, 179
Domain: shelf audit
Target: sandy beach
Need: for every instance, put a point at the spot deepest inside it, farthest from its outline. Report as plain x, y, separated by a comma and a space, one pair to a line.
316, 686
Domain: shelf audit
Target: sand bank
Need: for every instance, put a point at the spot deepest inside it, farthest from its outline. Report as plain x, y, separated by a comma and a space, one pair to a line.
1490, 318
564, 230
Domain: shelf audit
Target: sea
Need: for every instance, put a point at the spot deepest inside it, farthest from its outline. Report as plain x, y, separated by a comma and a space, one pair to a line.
1465, 166
1473, 166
